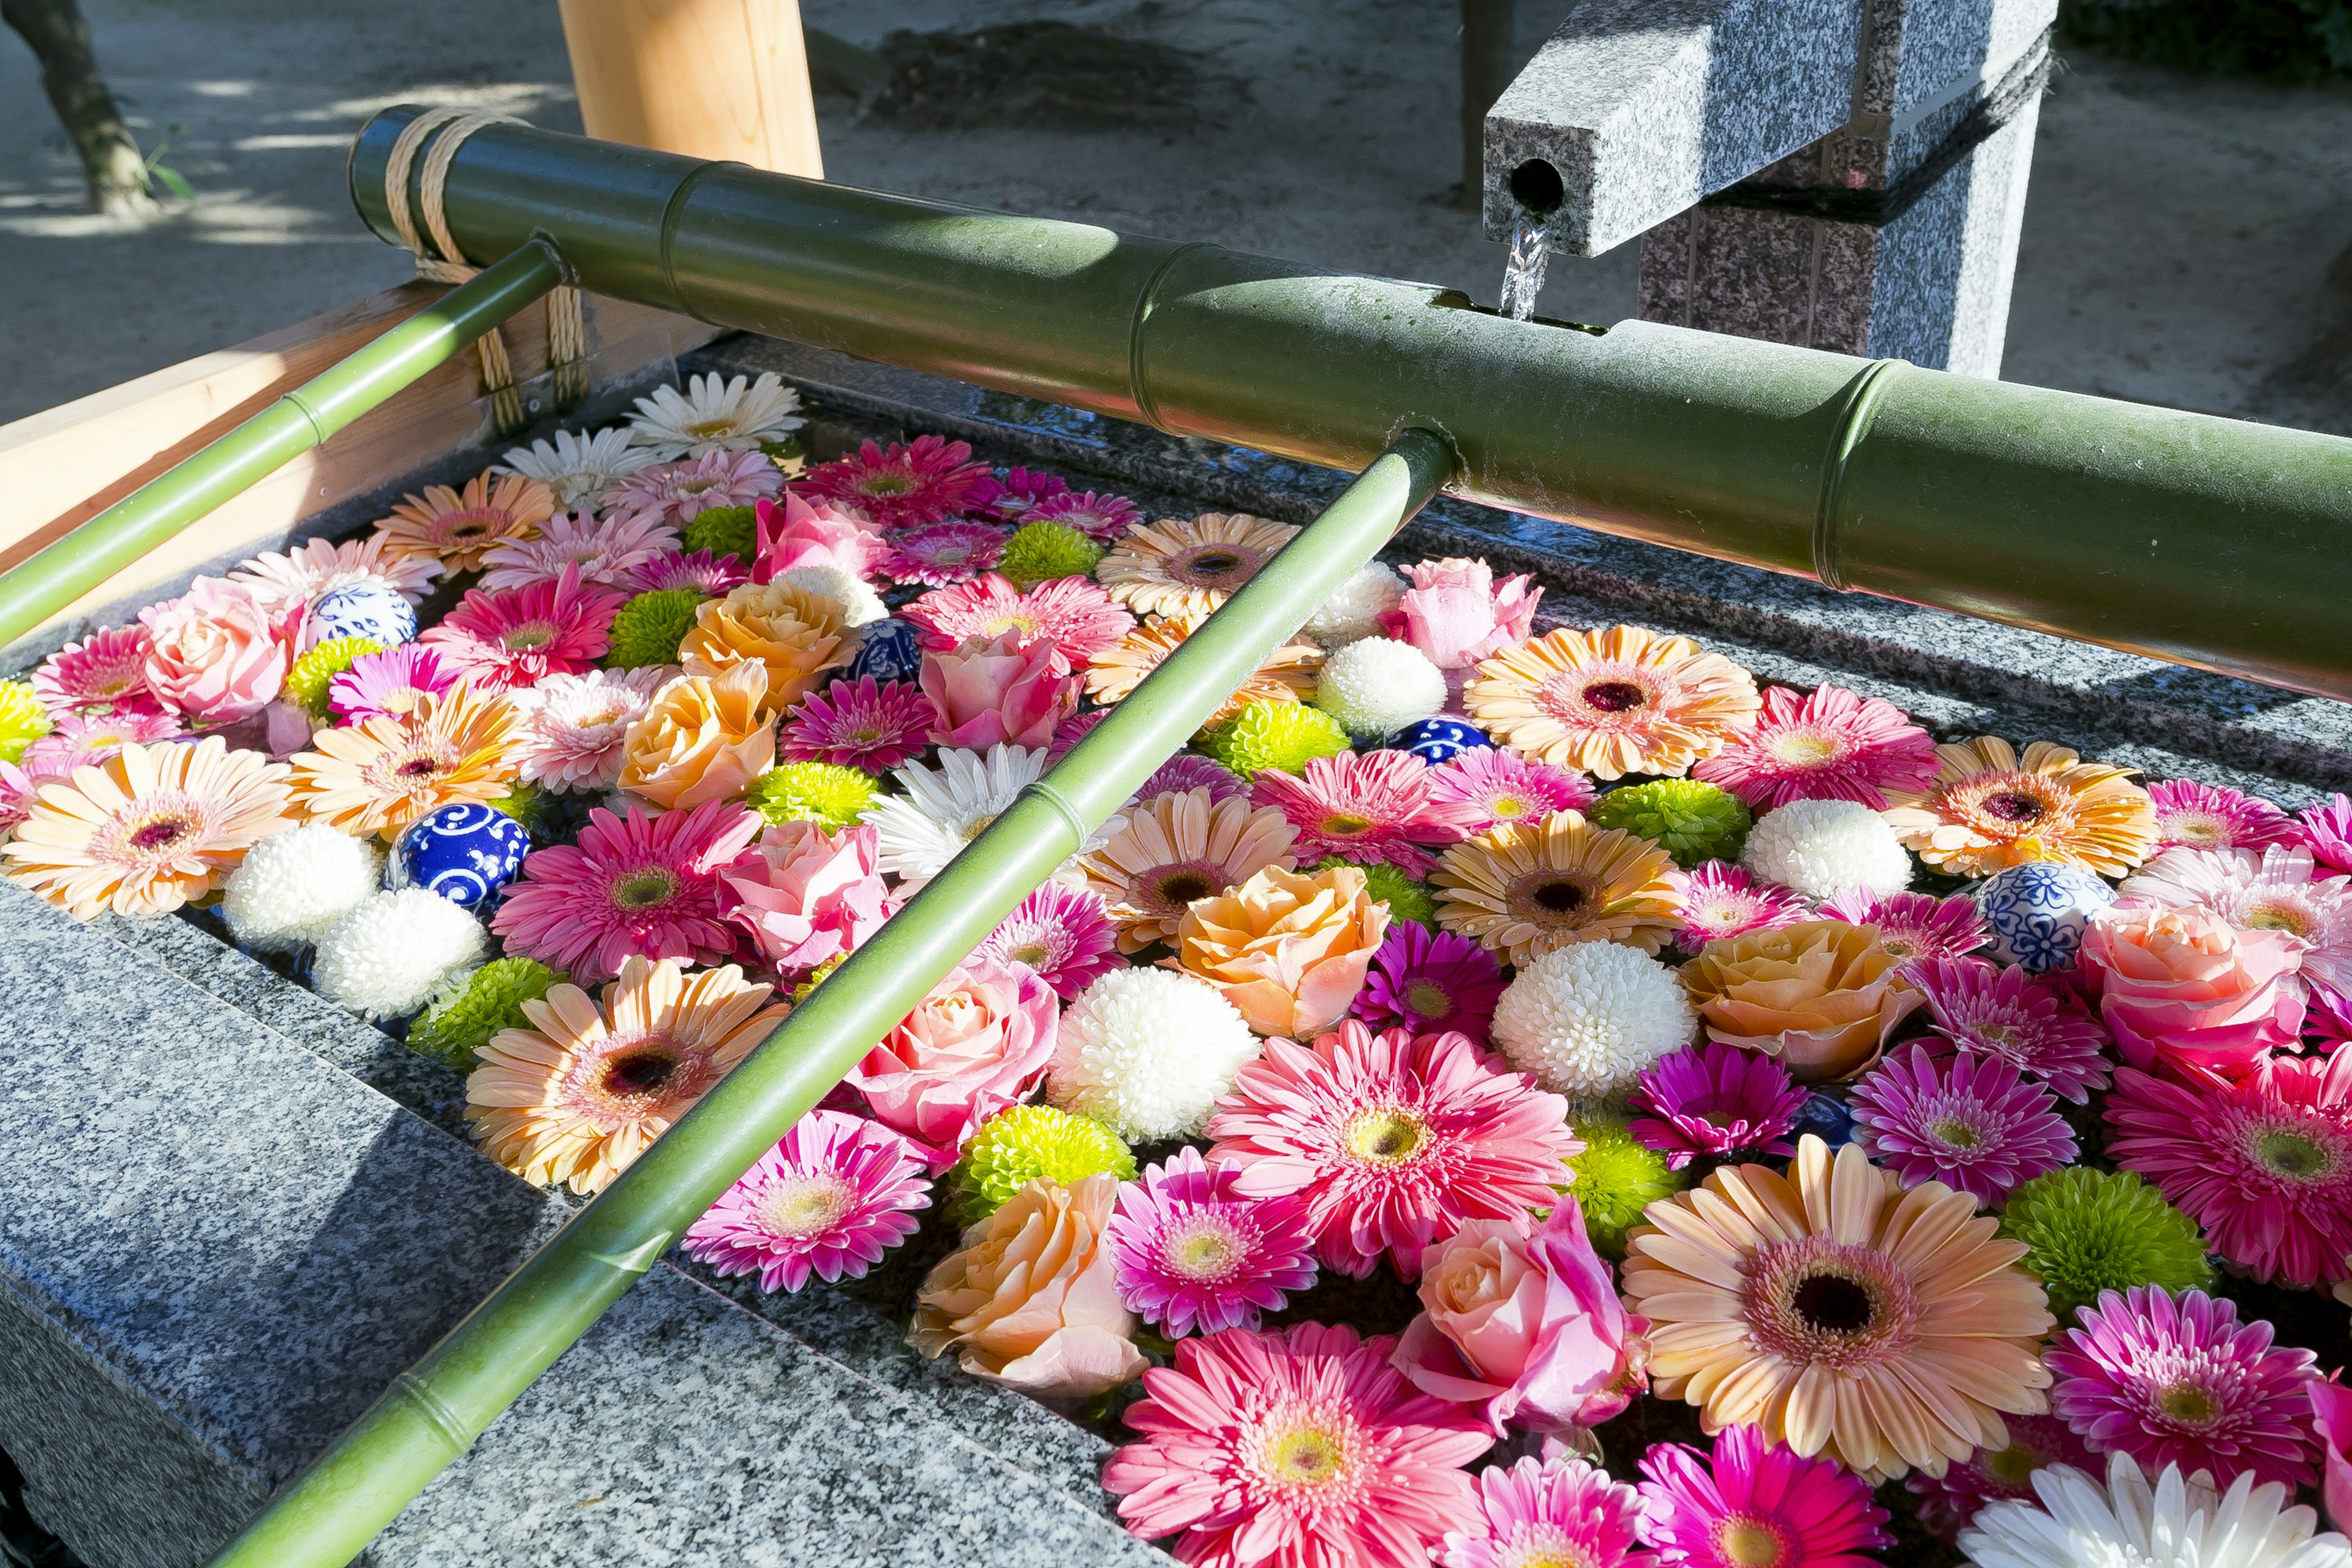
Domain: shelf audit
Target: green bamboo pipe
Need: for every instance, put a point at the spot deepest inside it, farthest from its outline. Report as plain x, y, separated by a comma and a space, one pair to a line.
62, 572
434, 1411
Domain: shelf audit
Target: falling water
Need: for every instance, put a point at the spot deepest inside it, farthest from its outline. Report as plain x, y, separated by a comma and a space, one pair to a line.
1523, 275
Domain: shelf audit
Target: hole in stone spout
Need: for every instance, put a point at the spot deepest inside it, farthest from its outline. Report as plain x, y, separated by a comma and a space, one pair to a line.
1537, 186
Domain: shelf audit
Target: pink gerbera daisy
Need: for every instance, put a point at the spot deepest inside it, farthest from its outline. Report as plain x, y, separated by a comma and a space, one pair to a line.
1299, 1448
2263, 1165
1011, 494
903, 484
86, 740
1071, 615
1718, 900
1756, 1505
1496, 788
21, 786
1395, 1139
2327, 828
830, 1198
2192, 815
675, 494
606, 553
378, 685
865, 724
1064, 933
1949, 1502
1192, 1255
1558, 1511
2025, 1020
1426, 981
1363, 806
1914, 927
1072, 730
2273, 889
1974, 1125
575, 727
712, 576
1103, 516
1189, 770
647, 886
1833, 744
941, 554
1715, 1098
2177, 1380
105, 670
503, 640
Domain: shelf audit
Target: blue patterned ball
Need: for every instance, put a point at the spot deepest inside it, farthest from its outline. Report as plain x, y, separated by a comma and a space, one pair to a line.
2037, 912
887, 649
468, 854
1439, 740
1825, 1116
361, 610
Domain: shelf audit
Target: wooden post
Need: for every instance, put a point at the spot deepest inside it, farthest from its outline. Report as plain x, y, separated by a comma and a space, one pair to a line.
710, 78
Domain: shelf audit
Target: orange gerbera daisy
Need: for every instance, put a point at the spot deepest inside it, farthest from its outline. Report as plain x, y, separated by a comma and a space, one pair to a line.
1888, 1329
1173, 568
1176, 848
1612, 702
1526, 889
382, 775
458, 528
578, 1096
1988, 809
148, 829
1285, 675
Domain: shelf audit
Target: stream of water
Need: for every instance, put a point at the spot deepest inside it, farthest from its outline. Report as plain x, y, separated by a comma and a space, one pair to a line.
1523, 275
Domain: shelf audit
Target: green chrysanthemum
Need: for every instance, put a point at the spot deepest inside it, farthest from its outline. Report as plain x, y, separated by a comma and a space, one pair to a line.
1616, 1179
2088, 1230
462, 1018
1690, 820
724, 531
1014, 1147
821, 793
1283, 735
650, 627
1407, 899
537, 809
1041, 551
22, 720
306, 683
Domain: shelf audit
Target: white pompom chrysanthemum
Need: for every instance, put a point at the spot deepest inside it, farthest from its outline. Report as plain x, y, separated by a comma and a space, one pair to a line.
860, 604
388, 955
1376, 685
1146, 1052
1584, 1021
1353, 611
293, 885
1825, 848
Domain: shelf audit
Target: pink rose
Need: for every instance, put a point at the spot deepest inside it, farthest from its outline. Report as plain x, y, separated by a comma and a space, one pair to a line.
215, 655
806, 895
977, 1043
2331, 1409
2185, 994
992, 692
1527, 1326
793, 534
1456, 613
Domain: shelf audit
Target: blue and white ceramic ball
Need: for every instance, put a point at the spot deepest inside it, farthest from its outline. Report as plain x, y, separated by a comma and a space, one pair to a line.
889, 649
363, 609
467, 853
2037, 912
1439, 740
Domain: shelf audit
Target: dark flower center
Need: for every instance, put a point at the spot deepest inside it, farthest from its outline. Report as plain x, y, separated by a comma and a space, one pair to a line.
1182, 886
2010, 806
420, 768
1559, 898
887, 484
159, 834
1212, 564
636, 1073
1614, 696
1833, 1304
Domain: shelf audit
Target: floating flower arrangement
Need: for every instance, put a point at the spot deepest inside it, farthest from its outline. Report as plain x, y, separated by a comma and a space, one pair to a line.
1503, 1096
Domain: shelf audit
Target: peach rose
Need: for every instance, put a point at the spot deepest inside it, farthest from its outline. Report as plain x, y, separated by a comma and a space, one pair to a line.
977, 1043
997, 693
1821, 995
792, 630
1289, 949
1031, 1300
215, 656
704, 737
2181, 989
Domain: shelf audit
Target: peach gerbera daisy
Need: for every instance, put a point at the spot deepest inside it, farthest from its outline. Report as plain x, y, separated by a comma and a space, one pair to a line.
1612, 702
578, 1096
1525, 889
148, 829
380, 775
793, 631
1840, 1313
1173, 568
1176, 848
1989, 808
1285, 675
458, 527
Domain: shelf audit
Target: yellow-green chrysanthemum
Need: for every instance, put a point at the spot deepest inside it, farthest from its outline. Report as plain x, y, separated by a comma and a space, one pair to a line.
1044, 550
1019, 1145
22, 720
724, 531
821, 793
1406, 899
462, 1018
1692, 821
1284, 736
306, 683
1616, 1179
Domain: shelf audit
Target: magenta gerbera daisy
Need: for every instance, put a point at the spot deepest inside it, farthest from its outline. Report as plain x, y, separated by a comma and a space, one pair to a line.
646, 886
83, 739
1556, 1510
2028, 1021
386, 683
1913, 926
575, 727
829, 1199
941, 554
903, 484
1756, 1505
865, 724
1715, 1098
1064, 933
1395, 1138
499, 641
1189, 770
606, 553
2177, 1380
2262, 1165
1496, 788
1425, 981
1363, 806
1718, 900
1102, 516
1833, 744
676, 493
1073, 616
1301, 1448
1971, 1123
714, 577
2192, 815
1011, 494
107, 669
1192, 1255
2327, 828
1949, 1502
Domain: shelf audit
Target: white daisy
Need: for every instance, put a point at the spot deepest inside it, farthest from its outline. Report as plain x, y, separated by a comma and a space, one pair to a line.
579, 468
735, 416
277, 580
2179, 1523
606, 553
946, 807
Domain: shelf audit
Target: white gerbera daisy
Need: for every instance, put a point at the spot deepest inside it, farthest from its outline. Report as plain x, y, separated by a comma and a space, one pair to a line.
1584, 1021
278, 581
391, 953
1146, 1052
1825, 848
1353, 611
2178, 1522
947, 807
711, 417
574, 727
577, 468
605, 552
1376, 685
295, 884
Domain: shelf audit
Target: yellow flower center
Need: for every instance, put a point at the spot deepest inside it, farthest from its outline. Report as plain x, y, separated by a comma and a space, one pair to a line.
1036, 955
1388, 1136
1013, 621
1508, 807
887, 484
1341, 825
2195, 832
1206, 1250
710, 429
1804, 748
1749, 1541
2187, 1403
798, 1207
1305, 1456
1954, 1133
525, 638
2278, 917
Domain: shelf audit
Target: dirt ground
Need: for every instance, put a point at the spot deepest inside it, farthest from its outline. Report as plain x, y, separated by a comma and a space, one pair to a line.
2187, 240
